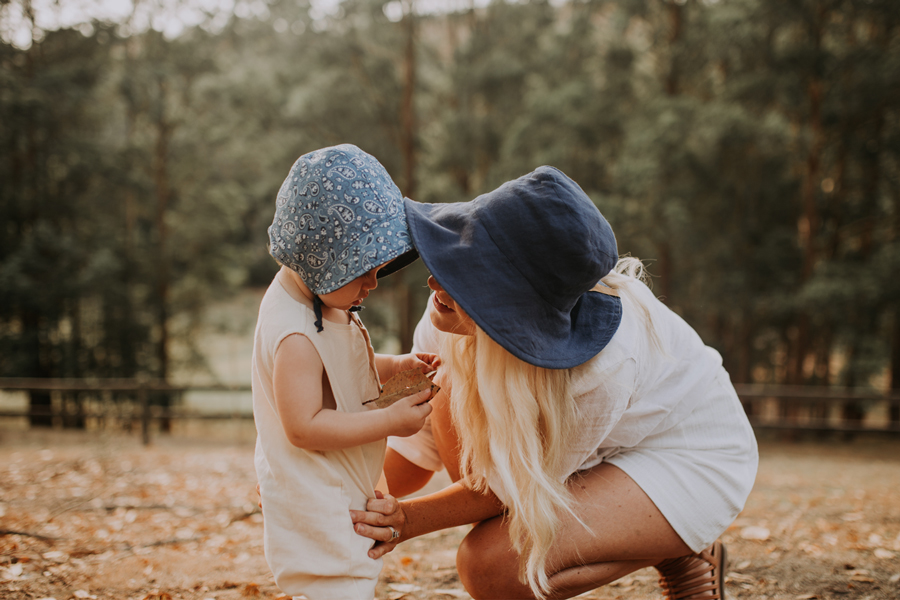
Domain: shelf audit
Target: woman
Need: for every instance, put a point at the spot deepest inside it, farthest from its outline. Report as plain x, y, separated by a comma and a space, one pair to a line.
587, 428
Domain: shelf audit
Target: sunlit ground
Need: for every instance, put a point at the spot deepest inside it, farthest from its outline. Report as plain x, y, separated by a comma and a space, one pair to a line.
104, 517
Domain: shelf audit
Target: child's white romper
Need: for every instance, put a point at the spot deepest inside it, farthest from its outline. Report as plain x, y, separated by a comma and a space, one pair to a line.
310, 544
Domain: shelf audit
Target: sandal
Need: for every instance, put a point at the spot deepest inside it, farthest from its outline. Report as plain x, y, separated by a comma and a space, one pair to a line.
701, 575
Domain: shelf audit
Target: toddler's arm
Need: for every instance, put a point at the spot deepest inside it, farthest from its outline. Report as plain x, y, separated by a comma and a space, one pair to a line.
389, 365
297, 381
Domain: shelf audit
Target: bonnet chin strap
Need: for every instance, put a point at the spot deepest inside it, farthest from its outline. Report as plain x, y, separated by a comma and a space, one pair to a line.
317, 309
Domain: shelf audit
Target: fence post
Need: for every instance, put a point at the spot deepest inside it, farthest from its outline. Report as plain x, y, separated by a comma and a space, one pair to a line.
145, 415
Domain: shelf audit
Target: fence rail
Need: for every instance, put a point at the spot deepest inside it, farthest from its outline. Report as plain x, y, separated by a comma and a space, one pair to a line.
125, 401
132, 402
818, 408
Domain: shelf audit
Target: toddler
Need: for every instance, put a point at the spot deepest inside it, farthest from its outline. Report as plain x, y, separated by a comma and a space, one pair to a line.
339, 224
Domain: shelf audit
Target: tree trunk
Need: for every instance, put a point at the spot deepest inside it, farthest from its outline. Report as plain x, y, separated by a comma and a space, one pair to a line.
672, 85
408, 123
895, 367
161, 179
808, 225
676, 27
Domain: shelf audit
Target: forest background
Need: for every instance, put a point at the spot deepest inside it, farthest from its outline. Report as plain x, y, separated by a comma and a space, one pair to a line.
747, 150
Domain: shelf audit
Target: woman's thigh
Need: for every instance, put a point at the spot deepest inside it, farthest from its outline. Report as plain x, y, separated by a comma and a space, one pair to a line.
619, 523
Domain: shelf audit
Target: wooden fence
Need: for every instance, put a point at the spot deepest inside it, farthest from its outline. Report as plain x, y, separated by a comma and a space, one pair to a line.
817, 408
116, 403
135, 404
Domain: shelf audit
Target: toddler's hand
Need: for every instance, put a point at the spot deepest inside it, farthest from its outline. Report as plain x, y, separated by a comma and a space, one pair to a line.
423, 361
408, 414
430, 361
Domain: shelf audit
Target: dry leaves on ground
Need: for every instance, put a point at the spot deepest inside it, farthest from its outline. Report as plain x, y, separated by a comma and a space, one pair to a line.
95, 518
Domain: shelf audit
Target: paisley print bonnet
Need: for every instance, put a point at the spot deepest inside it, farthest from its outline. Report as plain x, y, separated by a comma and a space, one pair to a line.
339, 215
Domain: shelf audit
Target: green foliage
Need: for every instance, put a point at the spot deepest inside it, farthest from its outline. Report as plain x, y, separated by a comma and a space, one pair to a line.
748, 150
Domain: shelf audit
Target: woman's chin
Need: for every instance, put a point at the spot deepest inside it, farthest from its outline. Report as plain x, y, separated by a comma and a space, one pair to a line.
452, 323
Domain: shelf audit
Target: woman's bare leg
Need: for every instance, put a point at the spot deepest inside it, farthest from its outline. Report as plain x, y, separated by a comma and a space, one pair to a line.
627, 531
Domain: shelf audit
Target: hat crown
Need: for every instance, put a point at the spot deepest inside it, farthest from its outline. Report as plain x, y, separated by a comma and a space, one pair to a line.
521, 262
338, 215
552, 233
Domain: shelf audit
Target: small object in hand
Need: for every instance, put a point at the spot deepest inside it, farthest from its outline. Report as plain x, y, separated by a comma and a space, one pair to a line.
403, 384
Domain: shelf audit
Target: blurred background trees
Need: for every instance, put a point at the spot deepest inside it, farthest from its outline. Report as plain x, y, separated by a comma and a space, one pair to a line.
748, 150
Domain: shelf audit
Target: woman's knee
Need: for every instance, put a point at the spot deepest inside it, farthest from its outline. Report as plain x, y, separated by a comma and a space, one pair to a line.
470, 559
487, 564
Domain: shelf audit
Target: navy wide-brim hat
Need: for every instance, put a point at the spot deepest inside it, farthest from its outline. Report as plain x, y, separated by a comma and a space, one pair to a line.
521, 261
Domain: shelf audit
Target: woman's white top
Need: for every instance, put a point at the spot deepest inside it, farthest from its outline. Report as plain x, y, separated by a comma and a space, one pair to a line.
627, 392
310, 543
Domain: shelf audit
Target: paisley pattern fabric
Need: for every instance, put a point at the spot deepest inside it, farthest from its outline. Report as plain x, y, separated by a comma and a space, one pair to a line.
337, 215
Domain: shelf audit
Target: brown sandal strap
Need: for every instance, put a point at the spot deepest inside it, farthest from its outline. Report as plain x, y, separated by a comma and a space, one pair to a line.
687, 576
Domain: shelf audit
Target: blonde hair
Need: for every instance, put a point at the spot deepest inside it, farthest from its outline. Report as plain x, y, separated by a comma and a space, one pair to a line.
629, 270
514, 421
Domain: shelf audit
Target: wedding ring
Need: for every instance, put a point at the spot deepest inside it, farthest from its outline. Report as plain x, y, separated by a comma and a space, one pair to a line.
394, 534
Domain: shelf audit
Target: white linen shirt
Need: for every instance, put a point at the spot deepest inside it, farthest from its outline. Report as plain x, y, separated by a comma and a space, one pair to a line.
632, 389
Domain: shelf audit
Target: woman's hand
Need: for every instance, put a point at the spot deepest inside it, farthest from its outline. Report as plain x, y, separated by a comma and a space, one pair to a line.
383, 521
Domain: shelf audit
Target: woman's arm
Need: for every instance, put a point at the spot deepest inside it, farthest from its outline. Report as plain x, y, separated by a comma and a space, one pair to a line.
453, 506
297, 382
403, 477
450, 507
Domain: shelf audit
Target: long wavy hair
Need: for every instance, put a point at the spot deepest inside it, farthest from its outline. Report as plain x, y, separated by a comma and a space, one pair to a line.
514, 420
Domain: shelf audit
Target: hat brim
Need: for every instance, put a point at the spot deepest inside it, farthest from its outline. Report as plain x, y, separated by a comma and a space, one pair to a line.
404, 260
461, 255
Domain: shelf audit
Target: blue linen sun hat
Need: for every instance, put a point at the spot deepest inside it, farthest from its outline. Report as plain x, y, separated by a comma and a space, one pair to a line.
339, 215
522, 261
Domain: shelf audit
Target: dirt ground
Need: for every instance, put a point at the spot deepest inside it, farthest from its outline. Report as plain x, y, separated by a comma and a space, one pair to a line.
95, 516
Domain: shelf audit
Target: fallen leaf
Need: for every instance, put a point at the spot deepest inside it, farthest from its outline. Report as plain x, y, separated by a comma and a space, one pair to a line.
740, 577
806, 597
56, 556
403, 384
450, 592
251, 589
755, 533
406, 588
11, 573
